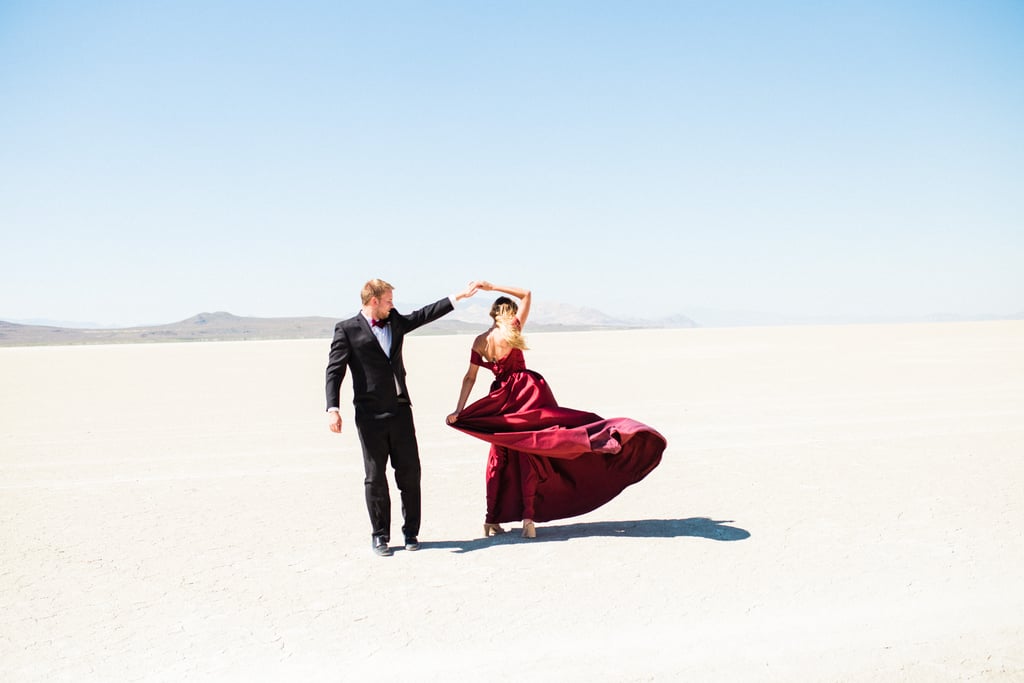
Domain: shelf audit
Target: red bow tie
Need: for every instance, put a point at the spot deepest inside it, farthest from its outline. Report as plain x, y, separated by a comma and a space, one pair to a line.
380, 323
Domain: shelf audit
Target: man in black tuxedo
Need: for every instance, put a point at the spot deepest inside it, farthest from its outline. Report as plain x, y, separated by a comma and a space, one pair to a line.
370, 343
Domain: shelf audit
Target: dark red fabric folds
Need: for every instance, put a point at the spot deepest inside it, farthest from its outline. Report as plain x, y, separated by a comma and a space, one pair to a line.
567, 462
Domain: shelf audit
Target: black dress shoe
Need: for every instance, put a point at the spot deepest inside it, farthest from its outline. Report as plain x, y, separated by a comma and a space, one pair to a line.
412, 543
380, 547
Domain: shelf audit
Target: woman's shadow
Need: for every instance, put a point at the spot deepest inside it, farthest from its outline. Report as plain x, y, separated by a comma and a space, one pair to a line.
701, 527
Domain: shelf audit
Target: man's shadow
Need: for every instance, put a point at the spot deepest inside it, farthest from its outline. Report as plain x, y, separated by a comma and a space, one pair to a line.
700, 527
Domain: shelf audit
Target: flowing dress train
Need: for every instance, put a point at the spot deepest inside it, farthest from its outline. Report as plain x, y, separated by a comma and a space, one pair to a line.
546, 461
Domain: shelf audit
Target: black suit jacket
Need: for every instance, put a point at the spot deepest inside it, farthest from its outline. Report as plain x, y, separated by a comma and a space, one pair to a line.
373, 372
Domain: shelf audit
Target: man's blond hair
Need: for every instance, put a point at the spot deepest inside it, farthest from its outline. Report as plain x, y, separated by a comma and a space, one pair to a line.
375, 288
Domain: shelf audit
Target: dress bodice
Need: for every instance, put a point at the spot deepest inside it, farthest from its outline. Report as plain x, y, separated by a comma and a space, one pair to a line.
503, 367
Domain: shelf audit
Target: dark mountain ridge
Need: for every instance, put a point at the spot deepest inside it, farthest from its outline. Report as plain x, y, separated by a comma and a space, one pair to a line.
223, 326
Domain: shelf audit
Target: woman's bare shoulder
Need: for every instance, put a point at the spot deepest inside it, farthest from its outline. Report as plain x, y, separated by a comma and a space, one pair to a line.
480, 342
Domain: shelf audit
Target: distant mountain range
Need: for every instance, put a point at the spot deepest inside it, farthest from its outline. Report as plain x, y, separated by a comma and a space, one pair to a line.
223, 326
551, 316
469, 317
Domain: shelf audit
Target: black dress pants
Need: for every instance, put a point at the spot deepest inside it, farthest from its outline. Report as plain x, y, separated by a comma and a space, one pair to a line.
391, 434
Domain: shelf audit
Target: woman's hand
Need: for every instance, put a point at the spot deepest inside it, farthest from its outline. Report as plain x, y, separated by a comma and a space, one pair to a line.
485, 285
453, 417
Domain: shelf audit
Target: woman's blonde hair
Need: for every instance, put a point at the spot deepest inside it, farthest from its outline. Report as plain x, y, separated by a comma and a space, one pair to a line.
504, 314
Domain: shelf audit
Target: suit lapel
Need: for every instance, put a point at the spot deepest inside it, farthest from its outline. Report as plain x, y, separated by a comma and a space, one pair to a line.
364, 326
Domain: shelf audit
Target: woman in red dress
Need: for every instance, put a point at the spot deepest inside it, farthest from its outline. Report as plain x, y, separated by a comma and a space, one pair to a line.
546, 462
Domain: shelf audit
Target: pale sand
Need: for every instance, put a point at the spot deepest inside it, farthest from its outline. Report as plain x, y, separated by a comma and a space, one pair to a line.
835, 504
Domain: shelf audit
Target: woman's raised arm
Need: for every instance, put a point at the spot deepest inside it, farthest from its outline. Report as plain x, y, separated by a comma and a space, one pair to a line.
523, 295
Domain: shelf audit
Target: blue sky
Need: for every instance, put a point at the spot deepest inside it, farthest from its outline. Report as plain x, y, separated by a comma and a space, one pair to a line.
158, 159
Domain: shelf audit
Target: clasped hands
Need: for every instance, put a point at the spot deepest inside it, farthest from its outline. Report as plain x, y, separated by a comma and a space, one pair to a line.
474, 287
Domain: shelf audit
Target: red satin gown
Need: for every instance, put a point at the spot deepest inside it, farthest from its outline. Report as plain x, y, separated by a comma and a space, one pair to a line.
548, 462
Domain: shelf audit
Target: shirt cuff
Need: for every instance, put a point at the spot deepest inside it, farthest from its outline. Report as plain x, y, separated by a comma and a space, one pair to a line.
451, 297
333, 410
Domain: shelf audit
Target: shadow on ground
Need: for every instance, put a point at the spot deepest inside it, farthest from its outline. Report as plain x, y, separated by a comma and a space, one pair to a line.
700, 527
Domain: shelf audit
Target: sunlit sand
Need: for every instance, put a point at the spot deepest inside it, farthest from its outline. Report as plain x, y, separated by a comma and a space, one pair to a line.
835, 503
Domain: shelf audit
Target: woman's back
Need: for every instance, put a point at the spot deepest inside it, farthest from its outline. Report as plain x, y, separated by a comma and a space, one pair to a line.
494, 345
